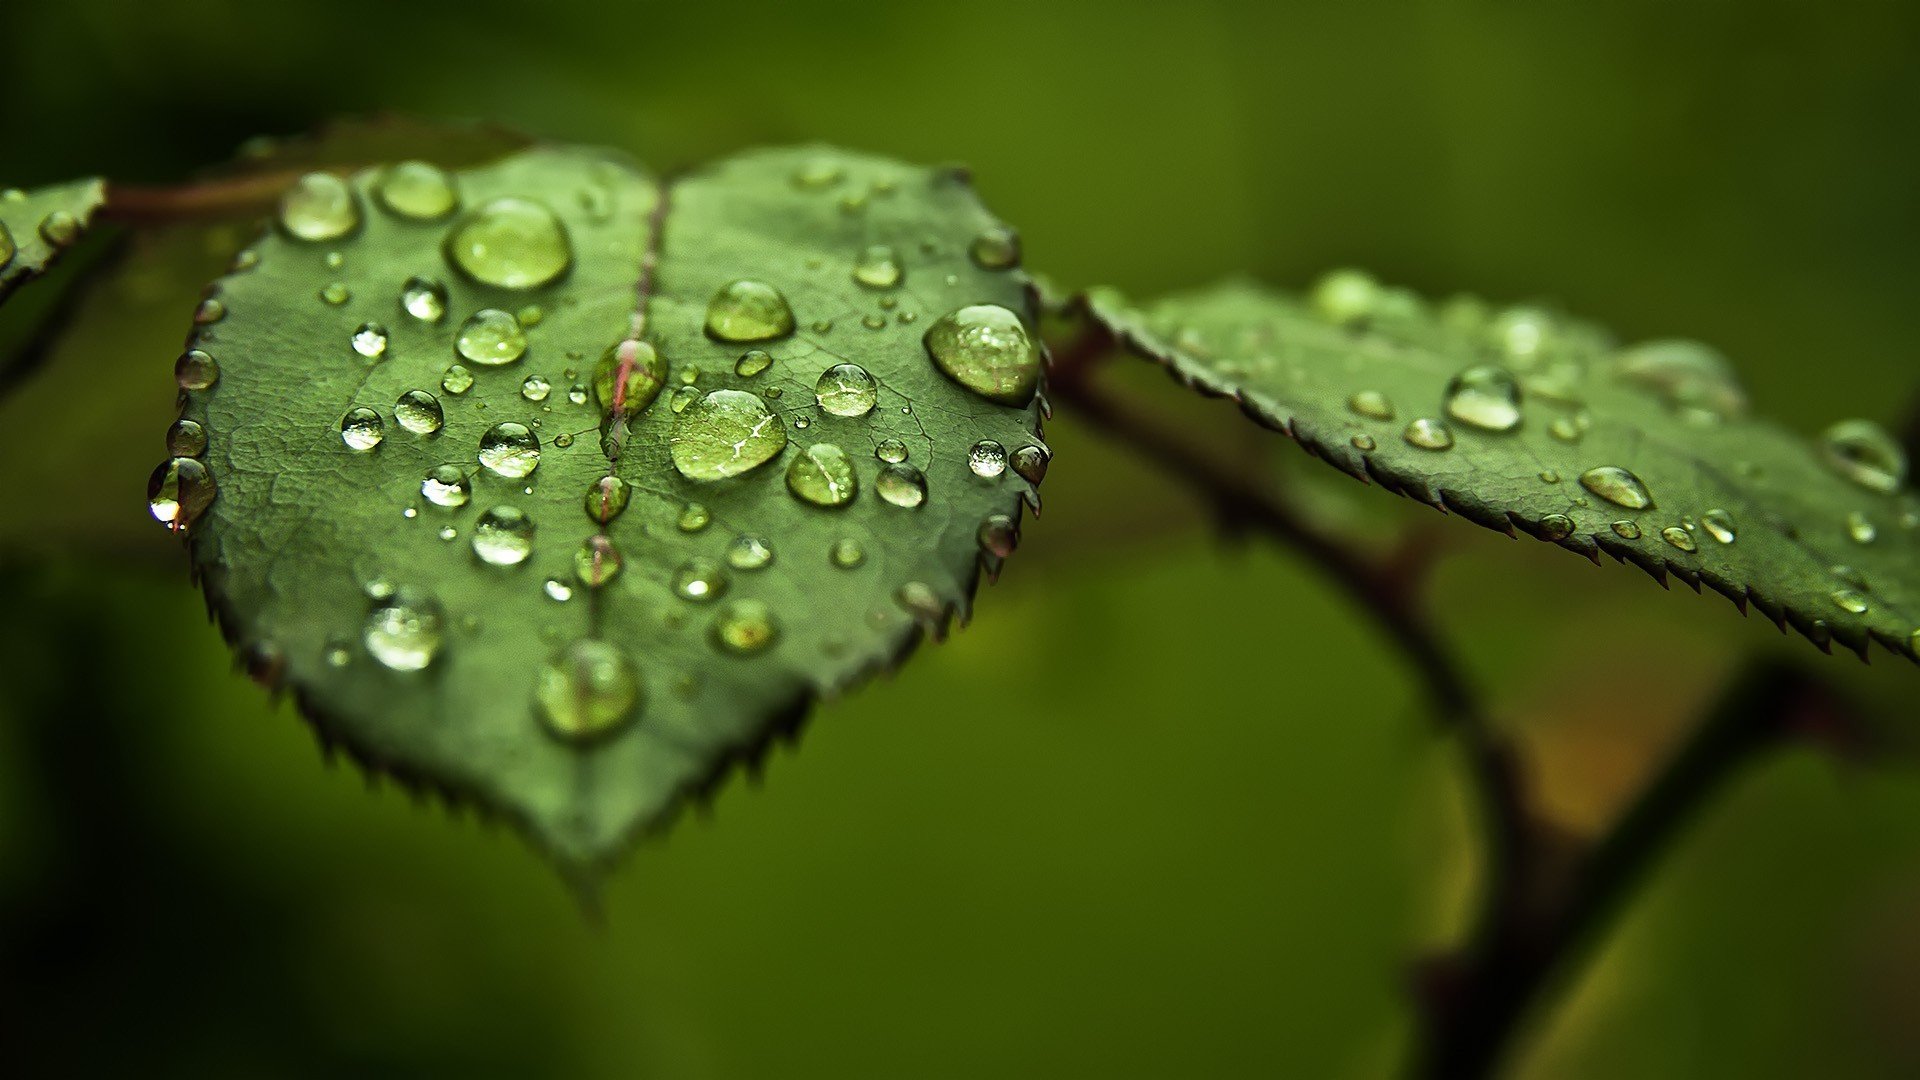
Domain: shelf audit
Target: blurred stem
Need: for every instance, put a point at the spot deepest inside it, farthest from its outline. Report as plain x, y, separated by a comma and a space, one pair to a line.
200, 200
1477, 1001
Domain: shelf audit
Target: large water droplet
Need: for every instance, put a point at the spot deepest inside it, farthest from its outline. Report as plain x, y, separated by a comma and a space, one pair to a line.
998, 536
362, 429
588, 690
510, 450
1679, 537
178, 492
902, 485
823, 475
319, 206
512, 243
416, 190
607, 498
987, 459
1556, 527
503, 536
457, 380
645, 373
1371, 404
699, 580
419, 412
1428, 434
196, 370
845, 390
535, 388
745, 627
370, 340
1485, 397
597, 561
1030, 462
424, 299
1719, 525
405, 632
491, 337
748, 311
752, 362
724, 434
986, 348
1864, 453
186, 438
446, 485
1626, 530
1617, 486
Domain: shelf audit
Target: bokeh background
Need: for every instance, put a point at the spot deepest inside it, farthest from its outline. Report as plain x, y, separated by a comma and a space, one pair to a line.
1168, 807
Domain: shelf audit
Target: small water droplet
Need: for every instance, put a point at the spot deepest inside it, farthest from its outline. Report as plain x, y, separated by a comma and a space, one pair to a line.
1851, 601
178, 492
749, 553
878, 268
987, 459
998, 536
577, 394
503, 536
699, 580
597, 561
646, 374
919, 600
748, 311
186, 438
318, 207
1679, 538
694, 518
1687, 375
1556, 527
512, 243
1861, 528
1372, 404
424, 299
724, 434
1030, 462
1567, 428
210, 311
416, 190
446, 485
336, 293
196, 370
491, 337
822, 475
817, 173
986, 348
419, 412
1626, 530
892, 451
1617, 486
510, 450
370, 340
457, 380
1363, 442
405, 632
752, 362
587, 691
535, 388
607, 498
995, 249
557, 590
846, 390
902, 485
1719, 525
361, 428
846, 553
745, 627
1523, 333
1485, 397
1428, 434
59, 229
1864, 453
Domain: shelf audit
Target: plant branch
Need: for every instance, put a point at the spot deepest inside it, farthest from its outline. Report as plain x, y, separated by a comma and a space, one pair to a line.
200, 200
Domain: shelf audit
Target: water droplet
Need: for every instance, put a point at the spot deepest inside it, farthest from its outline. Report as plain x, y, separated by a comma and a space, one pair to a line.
748, 311
892, 451
1617, 486
1864, 453
1523, 333
995, 249
817, 173
986, 348
878, 268
336, 293
457, 380
319, 206
1678, 537
1347, 297
1485, 397
902, 485
1567, 428
845, 390
847, 553
416, 190
920, 601
1372, 404
998, 535
370, 340
337, 653
645, 371
752, 362
1428, 434
587, 691
699, 580
1549, 476
503, 536
1685, 375
987, 459
419, 412
510, 450
1556, 527
186, 438
557, 590
362, 429
1719, 525
196, 370
1848, 600
749, 553
446, 485
512, 243
1626, 530
491, 337
597, 561
823, 475
607, 498
1861, 528
424, 299
725, 433
178, 492
744, 627
210, 311
405, 632
1030, 462
535, 388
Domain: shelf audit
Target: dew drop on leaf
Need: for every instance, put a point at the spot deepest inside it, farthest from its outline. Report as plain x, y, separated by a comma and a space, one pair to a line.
491, 337
1618, 486
446, 485
1428, 434
752, 362
535, 388
1626, 530
186, 438
178, 492
370, 340
902, 485
749, 553
892, 451
748, 311
725, 433
597, 561
995, 249
986, 348
361, 428
699, 580
919, 600
1864, 453
1679, 538
1556, 527
1850, 601
419, 412
997, 536
745, 627
845, 390
511, 243
416, 190
694, 518
822, 475
424, 299
878, 268
847, 553
1346, 297
1860, 528
607, 498
405, 632
645, 372
319, 207
588, 690
1719, 525
1371, 404
503, 536
509, 449
1030, 462
1485, 397
196, 370
987, 459
1685, 375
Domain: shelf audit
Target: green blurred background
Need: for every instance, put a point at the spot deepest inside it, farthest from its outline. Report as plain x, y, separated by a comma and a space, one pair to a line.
1168, 808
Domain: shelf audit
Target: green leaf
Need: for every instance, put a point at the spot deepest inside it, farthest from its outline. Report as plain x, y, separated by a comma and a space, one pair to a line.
1644, 453
725, 600
38, 226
